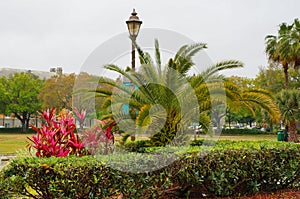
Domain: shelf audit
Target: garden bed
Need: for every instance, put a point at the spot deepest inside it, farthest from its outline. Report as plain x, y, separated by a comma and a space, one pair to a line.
227, 169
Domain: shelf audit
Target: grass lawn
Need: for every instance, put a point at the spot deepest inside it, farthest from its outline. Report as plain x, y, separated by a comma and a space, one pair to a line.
12, 142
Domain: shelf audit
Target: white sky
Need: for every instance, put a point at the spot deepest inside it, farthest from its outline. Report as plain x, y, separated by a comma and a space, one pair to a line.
37, 34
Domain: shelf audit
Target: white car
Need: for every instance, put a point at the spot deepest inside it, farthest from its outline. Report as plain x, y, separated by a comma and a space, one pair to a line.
196, 128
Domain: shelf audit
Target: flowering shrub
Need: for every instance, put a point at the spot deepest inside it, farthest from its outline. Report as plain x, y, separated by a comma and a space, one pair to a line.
56, 136
100, 139
81, 116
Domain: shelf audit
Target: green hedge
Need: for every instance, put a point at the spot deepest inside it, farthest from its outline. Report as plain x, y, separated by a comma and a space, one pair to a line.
137, 146
144, 146
243, 131
14, 130
227, 169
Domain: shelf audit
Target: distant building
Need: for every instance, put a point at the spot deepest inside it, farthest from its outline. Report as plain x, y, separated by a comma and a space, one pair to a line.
9, 121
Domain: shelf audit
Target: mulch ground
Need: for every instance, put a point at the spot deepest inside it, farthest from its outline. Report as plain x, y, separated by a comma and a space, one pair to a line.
281, 194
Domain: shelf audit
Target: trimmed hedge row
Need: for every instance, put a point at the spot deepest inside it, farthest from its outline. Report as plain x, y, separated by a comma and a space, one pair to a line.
243, 131
137, 146
14, 130
231, 171
144, 146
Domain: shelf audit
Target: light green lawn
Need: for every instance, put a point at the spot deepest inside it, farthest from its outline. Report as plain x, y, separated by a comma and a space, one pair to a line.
12, 142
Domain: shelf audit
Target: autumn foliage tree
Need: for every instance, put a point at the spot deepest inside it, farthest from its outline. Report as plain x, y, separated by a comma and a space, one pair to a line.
57, 92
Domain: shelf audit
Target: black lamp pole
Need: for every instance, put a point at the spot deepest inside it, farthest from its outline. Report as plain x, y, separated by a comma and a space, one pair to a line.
133, 25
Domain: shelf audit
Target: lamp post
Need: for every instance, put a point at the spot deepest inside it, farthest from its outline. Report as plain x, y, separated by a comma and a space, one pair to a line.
133, 25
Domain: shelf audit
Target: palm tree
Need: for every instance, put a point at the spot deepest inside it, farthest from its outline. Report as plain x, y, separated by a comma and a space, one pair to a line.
290, 43
284, 49
167, 99
289, 104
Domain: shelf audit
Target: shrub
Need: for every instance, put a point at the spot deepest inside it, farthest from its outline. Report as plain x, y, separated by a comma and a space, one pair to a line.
144, 146
14, 130
137, 146
230, 168
77, 177
243, 131
4, 192
56, 136
100, 138
203, 142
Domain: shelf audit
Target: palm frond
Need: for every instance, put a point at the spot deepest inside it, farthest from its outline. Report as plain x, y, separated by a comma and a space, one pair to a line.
145, 58
264, 102
158, 58
212, 70
183, 57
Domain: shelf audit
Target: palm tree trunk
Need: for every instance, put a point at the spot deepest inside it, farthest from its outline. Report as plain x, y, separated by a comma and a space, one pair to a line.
271, 126
293, 132
286, 75
286, 130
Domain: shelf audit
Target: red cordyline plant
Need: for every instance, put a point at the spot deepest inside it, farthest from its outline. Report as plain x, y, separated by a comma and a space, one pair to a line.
56, 136
100, 139
81, 116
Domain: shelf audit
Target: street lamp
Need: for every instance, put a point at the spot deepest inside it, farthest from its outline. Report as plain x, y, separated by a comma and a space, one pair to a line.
133, 25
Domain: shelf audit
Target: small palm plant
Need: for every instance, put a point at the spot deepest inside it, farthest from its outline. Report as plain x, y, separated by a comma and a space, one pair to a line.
289, 105
168, 99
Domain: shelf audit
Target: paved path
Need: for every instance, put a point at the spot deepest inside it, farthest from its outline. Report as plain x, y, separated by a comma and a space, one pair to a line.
5, 159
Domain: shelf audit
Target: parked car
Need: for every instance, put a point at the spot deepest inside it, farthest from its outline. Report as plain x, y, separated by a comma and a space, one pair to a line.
195, 128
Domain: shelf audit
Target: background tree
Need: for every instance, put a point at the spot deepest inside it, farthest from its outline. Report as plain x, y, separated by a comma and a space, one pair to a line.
272, 79
289, 104
20, 96
84, 96
57, 92
242, 82
2, 100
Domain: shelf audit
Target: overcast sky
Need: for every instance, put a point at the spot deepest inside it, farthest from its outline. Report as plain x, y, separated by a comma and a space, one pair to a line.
37, 34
